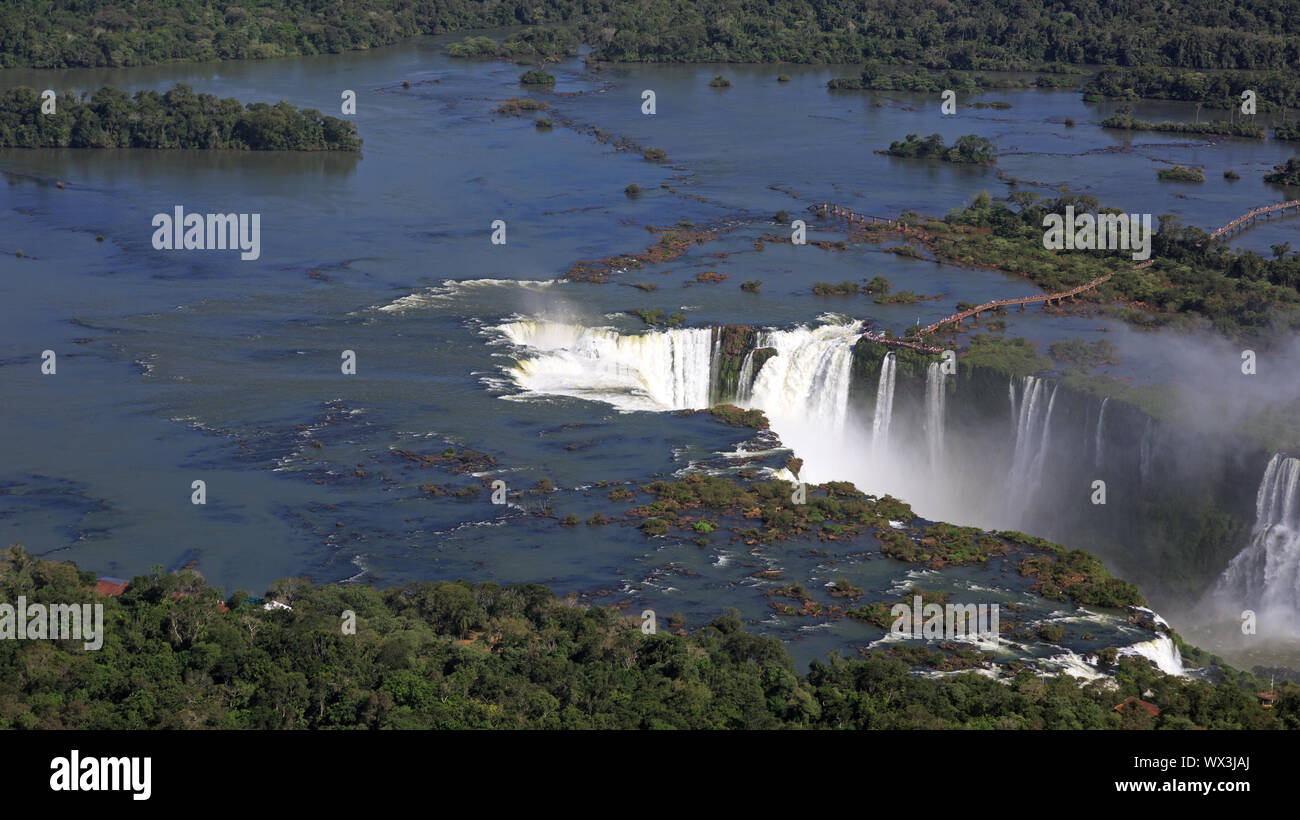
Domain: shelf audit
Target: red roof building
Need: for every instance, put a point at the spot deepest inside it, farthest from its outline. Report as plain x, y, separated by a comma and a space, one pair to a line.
110, 586
1150, 708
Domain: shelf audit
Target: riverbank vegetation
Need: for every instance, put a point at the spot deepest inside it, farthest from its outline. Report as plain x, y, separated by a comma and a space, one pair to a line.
978, 35
546, 44
464, 655
877, 76
1274, 90
1126, 122
178, 118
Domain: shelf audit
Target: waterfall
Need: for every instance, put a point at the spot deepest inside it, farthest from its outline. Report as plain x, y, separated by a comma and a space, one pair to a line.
745, 383
668, 370
1099, 443
1033, 429
806, 384
1162, 651
935, 398
1041, 456
1265, 576
714, 371
884, 412
803, 390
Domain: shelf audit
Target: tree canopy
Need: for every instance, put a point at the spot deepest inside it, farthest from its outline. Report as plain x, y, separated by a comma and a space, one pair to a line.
463, 655
974, 34
178, 118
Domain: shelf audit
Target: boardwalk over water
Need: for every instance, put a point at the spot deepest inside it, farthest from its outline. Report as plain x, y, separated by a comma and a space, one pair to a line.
1049, 298
831, 209
1247, 219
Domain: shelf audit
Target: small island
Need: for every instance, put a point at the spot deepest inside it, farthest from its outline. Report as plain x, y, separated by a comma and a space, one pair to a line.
969, 149
178, 118
536, 77
1180, 174
1286, 174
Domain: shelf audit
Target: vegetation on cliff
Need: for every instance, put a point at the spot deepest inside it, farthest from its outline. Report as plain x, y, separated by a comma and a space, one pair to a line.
1015, 357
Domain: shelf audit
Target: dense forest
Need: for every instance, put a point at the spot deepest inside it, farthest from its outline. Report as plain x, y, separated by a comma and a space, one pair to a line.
977, 34
178, 118
1274, 90
461, 655
877, 76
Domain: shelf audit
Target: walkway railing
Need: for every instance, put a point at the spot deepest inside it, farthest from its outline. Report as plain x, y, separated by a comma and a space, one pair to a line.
1240, 223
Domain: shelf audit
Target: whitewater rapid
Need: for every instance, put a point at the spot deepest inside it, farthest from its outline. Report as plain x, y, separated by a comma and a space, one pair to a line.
1265, 576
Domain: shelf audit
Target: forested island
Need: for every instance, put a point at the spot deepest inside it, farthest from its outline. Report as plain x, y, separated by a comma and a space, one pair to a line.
970, 148
1180, 173
460, 655
1287, 173
178, 118
978, 35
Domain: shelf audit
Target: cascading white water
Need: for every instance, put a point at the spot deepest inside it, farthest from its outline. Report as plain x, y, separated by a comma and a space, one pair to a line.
935, 400
1265, 576
1099, 441
1033, 429
884, 412
667, 370
806, 384
1024, 419
1040, 457
745, 383
1162, 651
804, 391
714, 358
